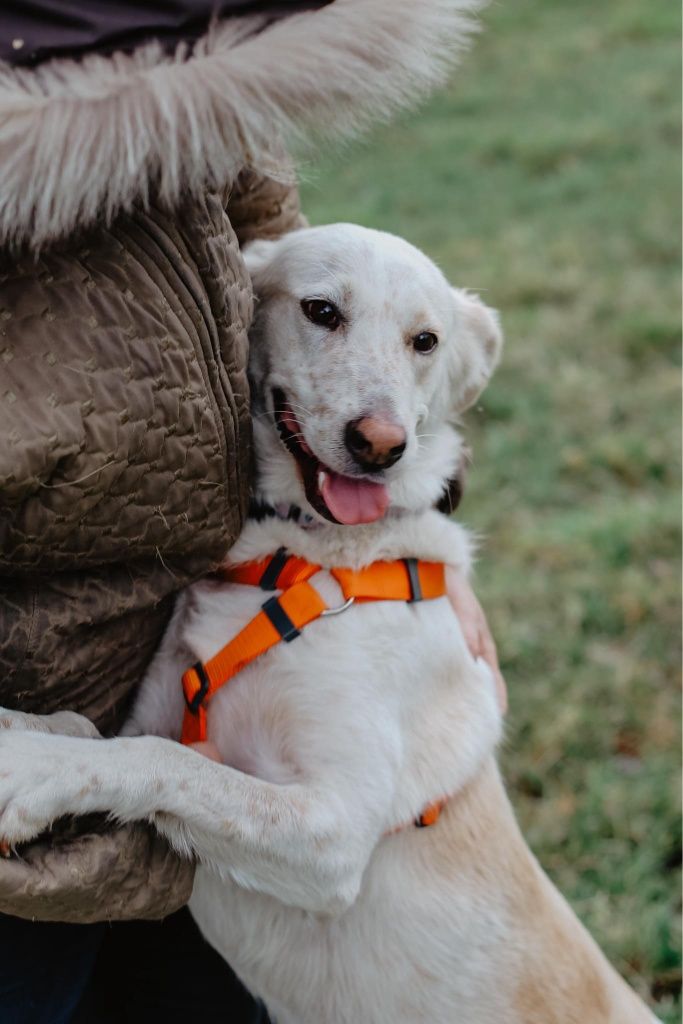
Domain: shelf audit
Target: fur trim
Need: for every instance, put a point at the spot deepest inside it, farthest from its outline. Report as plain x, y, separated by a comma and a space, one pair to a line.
80, 141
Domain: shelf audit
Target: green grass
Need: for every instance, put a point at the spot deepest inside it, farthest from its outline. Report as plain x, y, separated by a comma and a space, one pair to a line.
547, 177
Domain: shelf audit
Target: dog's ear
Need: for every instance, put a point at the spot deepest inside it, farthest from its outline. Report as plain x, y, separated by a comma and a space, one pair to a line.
479, 346
454, 488
258, 255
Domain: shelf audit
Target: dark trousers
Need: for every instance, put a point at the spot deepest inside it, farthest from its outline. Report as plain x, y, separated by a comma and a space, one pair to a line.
125, 973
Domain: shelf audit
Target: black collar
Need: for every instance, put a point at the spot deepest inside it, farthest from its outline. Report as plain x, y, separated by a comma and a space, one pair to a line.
260, 510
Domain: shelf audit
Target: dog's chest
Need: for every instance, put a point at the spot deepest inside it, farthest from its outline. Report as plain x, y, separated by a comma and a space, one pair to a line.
396, 672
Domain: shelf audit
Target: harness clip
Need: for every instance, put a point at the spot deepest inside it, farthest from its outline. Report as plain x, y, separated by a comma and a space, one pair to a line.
198, 699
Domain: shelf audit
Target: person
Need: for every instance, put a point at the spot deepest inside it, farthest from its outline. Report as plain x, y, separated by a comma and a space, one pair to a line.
141, 146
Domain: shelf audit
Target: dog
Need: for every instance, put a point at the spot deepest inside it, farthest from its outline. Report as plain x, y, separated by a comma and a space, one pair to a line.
347, 732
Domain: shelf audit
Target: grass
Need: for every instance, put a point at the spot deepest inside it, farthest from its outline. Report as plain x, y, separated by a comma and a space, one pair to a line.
546, 177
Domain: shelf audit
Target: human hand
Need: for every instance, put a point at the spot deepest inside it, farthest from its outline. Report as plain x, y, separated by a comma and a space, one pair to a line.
475, 628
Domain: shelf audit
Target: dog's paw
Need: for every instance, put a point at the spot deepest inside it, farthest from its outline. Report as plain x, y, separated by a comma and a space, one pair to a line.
63, 723
39, 782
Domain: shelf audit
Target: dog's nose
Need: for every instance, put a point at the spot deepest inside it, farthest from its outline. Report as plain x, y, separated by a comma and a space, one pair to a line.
375, 443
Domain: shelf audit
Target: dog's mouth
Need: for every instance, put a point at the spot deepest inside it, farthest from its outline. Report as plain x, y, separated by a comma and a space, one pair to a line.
347, 500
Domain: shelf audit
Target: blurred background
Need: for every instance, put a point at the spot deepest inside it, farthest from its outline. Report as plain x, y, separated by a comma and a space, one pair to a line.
546, 177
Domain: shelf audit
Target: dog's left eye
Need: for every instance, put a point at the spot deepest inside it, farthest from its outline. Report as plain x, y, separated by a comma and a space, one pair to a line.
425, 342
321, 312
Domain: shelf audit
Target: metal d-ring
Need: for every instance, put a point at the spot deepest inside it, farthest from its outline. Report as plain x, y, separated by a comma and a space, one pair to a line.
341, 608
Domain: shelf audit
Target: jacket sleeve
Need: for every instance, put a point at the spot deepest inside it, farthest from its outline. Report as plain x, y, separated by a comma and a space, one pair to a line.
94, 874
87, 869
116, 874
260, 207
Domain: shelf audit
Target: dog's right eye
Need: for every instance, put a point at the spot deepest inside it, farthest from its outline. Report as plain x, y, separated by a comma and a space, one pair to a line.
321, 312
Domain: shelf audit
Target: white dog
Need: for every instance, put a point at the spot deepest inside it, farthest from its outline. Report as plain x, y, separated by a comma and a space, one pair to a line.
314, 882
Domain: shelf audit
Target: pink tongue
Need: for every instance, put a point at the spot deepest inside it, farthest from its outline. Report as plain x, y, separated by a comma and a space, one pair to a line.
354, 501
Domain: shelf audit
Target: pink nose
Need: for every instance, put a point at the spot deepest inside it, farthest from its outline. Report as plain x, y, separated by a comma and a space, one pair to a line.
375, 443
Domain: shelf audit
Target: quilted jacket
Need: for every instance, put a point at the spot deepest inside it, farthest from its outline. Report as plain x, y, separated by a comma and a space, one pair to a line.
128, 183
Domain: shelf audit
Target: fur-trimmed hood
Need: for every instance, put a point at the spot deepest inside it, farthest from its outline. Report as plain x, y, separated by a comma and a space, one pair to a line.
80, 141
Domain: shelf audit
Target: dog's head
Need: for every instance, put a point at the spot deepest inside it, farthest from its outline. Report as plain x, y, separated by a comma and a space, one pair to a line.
362, 359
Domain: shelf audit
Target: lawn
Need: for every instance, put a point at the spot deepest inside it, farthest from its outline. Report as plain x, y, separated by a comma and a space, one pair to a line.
546, 176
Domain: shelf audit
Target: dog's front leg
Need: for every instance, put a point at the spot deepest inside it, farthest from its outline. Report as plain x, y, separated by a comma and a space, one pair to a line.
306, 846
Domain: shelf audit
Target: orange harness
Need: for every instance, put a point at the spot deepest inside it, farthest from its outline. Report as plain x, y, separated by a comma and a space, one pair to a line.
299, 604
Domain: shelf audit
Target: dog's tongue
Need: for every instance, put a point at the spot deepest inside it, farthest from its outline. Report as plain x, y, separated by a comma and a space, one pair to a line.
353, 501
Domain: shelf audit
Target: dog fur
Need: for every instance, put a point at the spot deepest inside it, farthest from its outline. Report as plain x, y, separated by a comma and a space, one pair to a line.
312, 881
80, 141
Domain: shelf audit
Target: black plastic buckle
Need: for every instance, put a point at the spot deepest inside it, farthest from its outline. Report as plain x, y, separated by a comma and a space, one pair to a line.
194, 705
280, 619
272, 572
413, 579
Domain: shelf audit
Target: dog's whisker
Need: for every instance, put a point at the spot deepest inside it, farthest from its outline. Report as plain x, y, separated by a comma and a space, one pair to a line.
269, 415
296, 405
281, 412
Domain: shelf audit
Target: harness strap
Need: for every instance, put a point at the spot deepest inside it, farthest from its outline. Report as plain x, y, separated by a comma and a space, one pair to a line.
282, 619
405, 580
277, 572
279, 619
430, 815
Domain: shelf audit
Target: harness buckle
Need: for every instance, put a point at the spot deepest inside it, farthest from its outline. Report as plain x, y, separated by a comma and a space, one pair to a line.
413, 580
272, 572
197, 700
280, 619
